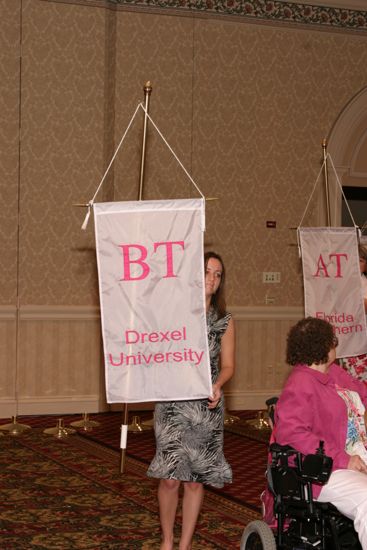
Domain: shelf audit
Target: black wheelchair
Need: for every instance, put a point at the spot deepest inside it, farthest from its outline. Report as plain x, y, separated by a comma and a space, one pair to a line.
298, 521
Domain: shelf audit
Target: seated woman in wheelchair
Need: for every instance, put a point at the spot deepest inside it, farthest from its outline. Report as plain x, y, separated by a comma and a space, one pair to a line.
320, 401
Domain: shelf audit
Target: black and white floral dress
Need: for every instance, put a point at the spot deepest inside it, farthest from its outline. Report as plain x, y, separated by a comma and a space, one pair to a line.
189, 435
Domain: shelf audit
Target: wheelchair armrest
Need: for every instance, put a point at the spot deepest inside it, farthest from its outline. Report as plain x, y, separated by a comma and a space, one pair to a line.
282, 449
316, 468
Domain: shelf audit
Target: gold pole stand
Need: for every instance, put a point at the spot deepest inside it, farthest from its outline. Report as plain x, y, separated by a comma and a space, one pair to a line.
86, 424
148, 424
14, 428
230, 418
137, 426
59, 431
260, 422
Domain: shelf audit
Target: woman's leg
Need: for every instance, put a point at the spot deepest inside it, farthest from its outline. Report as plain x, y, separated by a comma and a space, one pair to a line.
168, 500
347, 490
191, 506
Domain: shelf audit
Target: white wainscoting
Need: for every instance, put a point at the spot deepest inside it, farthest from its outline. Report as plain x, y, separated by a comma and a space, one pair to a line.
261, 369
52, 361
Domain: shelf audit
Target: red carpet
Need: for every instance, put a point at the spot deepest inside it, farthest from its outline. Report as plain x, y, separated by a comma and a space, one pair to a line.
68, 494
245, 452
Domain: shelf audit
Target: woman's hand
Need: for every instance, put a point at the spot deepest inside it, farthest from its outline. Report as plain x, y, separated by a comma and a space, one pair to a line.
357, 464
215, 397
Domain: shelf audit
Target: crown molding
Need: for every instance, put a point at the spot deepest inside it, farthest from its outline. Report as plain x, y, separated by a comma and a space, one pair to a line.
359, 5
317, 14
329, 15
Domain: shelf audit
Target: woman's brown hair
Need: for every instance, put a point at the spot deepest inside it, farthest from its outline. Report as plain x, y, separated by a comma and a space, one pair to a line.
218, 301
309, 342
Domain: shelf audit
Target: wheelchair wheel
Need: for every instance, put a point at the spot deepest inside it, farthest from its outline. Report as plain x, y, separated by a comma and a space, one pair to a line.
257, 535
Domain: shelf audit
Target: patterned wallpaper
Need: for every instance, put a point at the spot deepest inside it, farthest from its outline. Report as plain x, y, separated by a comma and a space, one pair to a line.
244, 106
63, 142
9, 148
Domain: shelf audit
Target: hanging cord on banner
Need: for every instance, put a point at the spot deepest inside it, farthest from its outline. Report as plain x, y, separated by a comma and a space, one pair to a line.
91, 202
172, 151
327, 157
140, 106
342, 192
307, 205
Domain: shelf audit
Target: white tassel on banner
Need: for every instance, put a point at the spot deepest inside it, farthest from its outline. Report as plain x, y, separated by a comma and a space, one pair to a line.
123, 438
87, 216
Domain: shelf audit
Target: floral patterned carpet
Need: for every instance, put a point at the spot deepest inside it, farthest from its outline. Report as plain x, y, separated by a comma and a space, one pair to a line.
69, 494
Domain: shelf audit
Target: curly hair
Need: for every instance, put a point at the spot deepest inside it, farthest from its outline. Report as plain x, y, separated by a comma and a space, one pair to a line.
218, 300
309, 342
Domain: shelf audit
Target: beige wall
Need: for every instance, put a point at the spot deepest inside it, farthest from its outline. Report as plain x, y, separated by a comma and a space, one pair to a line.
245, 107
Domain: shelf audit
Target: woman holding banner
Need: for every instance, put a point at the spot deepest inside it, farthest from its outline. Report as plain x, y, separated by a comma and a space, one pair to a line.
357, 366
189, 434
